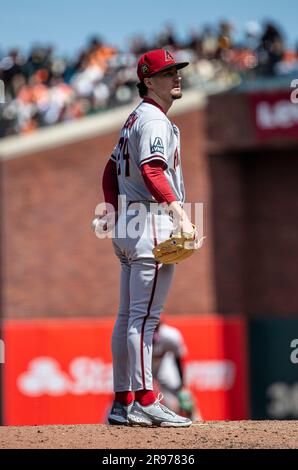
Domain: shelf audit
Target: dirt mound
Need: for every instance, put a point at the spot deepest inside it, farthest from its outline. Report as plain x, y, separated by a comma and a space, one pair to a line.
201, 435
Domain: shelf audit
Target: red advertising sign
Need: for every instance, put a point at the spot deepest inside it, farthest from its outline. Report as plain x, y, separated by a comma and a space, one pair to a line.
60, 371
57, 371
275, 115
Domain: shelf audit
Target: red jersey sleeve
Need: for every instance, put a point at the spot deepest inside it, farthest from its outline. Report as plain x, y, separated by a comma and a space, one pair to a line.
156, 182
110, 184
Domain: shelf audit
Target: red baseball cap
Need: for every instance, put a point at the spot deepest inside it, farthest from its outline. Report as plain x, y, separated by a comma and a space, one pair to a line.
155, 61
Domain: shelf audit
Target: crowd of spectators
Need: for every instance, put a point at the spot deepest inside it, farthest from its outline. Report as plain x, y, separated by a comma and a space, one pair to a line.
42, 89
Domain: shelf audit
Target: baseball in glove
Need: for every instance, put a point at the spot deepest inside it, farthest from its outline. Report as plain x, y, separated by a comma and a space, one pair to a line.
178, 247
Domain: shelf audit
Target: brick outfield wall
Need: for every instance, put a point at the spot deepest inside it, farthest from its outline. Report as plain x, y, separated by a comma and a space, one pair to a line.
253, 176
255, 226
54, 266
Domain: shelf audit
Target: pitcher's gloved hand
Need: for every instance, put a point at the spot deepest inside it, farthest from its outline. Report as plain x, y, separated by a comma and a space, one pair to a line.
178, 247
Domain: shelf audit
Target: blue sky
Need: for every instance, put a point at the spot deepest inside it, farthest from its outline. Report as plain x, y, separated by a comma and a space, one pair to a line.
67, 24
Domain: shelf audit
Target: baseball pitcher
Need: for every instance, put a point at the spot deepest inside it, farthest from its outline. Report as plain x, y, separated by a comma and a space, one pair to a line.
145, 167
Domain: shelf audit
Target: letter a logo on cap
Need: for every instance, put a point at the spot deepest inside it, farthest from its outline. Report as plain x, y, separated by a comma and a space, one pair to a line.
168, 56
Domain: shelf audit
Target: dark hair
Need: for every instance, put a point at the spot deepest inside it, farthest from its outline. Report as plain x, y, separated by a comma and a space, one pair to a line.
143, 90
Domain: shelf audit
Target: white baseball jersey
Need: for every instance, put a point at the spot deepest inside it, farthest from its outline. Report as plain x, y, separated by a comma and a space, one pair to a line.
148, 135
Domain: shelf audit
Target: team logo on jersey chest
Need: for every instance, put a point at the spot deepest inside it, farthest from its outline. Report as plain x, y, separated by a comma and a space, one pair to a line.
157, 146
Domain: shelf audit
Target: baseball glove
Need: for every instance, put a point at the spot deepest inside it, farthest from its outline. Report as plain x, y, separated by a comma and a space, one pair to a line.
178, 247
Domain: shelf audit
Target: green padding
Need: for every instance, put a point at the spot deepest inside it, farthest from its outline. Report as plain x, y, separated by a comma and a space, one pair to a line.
273, 375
